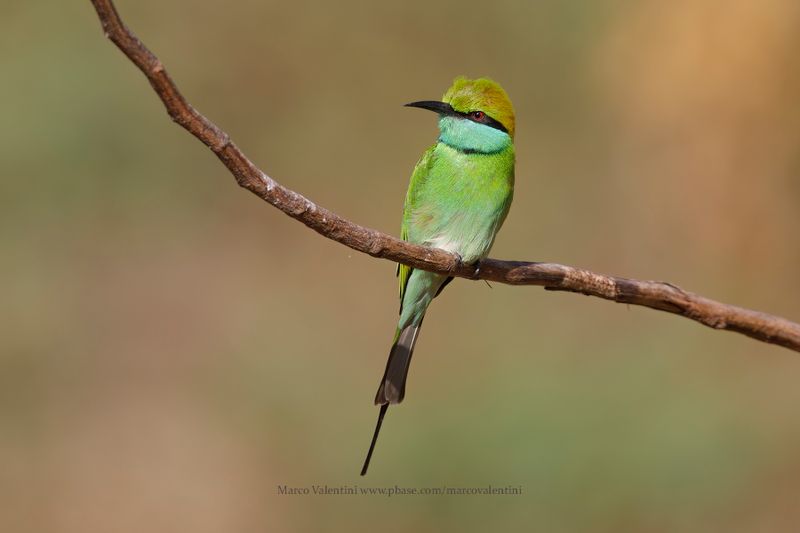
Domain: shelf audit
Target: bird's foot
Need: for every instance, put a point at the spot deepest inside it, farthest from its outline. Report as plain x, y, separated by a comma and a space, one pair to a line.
460, 265
459, 262
477, 269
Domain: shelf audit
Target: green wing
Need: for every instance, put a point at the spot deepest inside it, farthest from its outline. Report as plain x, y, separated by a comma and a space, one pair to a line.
420, 174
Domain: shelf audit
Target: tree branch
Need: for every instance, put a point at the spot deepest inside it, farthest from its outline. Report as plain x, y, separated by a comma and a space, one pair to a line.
656, 295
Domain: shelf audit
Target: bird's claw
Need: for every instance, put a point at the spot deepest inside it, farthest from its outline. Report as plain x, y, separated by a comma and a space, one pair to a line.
460, 264
477, 266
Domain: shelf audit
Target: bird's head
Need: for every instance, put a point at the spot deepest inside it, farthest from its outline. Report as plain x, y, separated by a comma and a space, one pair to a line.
475, 115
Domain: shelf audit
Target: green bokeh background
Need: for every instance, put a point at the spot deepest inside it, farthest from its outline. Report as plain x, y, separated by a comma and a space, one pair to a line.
172, 349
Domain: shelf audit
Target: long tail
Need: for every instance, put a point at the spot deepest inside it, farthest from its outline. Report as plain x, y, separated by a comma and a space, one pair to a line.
392, 387
384, 408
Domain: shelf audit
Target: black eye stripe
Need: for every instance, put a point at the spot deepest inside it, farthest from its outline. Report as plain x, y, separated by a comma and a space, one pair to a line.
446, 110
486, 119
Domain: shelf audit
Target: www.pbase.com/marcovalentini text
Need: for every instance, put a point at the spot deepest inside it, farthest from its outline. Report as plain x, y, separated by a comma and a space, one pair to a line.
346, 490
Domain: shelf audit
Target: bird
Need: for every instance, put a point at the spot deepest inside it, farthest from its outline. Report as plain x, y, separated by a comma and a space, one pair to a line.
458, 198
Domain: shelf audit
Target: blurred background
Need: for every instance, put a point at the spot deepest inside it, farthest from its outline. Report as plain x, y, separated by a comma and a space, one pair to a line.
172, 349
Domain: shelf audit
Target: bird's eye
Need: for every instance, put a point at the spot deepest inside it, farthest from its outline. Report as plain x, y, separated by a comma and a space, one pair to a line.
477, 115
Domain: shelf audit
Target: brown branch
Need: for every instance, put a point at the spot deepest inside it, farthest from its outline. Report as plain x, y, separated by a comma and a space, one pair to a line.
653, 294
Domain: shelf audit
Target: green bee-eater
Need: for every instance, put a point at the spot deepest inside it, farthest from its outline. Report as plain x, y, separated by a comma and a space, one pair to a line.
458, 198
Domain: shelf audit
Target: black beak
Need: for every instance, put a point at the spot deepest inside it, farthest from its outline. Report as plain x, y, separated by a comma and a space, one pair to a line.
432, 105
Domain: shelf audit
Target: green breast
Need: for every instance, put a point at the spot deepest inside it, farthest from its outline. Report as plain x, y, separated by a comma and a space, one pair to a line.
458, 200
